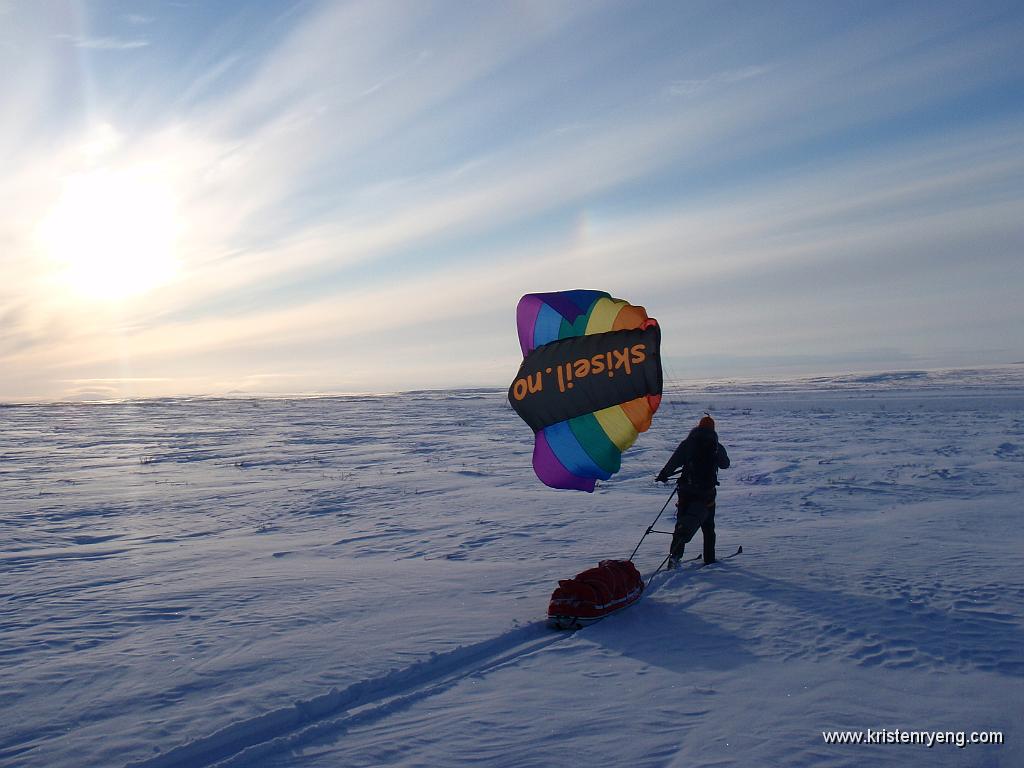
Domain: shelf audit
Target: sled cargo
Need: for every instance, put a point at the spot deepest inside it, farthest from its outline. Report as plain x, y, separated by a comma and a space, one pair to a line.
594, 594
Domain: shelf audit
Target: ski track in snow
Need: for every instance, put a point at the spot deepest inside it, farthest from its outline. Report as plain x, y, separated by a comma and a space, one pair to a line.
333, 581
246, 742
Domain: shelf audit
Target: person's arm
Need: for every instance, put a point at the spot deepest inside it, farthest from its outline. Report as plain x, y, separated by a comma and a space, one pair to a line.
674, 463
722, 457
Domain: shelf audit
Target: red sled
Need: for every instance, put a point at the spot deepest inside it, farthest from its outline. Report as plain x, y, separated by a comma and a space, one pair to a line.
594, 594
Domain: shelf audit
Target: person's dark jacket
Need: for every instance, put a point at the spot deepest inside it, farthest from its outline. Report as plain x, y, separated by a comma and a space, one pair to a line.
700, 456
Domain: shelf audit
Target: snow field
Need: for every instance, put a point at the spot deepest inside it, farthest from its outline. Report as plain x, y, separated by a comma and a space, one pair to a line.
361, 581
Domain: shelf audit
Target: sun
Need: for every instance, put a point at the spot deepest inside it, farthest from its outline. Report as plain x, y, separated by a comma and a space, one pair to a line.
112, 232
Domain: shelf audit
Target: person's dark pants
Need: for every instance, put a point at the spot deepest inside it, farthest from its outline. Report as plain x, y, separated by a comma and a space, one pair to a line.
694, 512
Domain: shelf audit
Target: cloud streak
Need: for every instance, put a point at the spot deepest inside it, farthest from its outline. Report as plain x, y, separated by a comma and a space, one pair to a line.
693, 87
104, 43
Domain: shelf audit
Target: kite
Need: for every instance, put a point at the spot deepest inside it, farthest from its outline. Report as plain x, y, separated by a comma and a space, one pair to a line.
589, 383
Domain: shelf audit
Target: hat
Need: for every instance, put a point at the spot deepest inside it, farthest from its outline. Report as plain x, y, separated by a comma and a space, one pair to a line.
706, 421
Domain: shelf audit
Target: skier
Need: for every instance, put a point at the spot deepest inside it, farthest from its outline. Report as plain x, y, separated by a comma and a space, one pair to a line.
700, 456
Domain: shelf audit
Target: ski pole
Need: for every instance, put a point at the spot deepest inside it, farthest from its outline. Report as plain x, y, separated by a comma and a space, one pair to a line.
651, 526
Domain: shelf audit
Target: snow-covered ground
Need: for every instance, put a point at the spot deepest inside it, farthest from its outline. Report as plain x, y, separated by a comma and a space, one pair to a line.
362, 581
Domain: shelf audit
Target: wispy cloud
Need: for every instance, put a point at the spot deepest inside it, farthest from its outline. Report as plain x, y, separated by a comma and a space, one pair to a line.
104, 43
695, 86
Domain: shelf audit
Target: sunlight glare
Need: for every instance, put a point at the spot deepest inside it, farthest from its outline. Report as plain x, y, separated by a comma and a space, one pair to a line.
112, 233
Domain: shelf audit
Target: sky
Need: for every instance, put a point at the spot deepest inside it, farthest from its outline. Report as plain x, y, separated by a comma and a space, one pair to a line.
316, 197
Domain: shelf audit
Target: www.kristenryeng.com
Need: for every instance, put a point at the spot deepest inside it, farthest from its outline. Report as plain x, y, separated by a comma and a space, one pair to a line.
928, 739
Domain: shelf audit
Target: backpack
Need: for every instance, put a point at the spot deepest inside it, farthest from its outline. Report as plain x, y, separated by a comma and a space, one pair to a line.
701, 469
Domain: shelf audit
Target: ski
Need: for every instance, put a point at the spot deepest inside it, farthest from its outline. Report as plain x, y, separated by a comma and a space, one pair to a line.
663, 568
738, 551
681, 563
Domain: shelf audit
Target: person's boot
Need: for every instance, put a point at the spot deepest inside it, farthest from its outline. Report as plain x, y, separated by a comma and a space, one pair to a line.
675, 556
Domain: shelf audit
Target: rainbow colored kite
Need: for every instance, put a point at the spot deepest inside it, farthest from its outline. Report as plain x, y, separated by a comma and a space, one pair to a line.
589, 383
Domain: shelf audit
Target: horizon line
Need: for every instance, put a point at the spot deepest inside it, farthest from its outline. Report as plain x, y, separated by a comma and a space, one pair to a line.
669, 386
